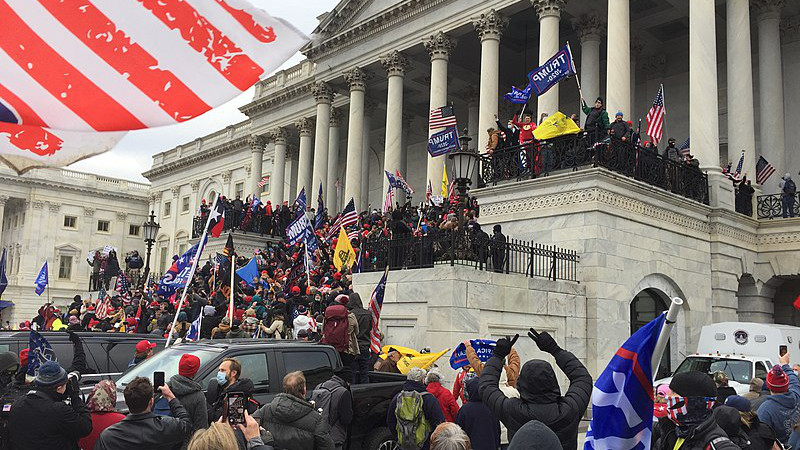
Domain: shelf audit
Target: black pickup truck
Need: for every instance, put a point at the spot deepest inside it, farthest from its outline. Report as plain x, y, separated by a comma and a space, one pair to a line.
266, 362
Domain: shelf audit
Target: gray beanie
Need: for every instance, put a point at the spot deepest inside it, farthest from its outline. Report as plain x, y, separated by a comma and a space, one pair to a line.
50, 374
9, 362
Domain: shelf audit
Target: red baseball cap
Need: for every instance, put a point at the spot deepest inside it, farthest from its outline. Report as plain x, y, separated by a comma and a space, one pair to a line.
188, 365
144, 346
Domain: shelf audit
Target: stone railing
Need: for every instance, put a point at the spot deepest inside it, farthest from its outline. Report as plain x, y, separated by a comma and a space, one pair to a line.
771, 206
284, 78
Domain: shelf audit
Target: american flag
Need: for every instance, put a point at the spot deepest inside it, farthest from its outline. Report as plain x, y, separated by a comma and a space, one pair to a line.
375, 305
348, 217
353, 234
428, 193
764, 170
684, 148
102, 307
263, 181
123, 286
739, 166
388, 199
73, 68
442, 117
655, 117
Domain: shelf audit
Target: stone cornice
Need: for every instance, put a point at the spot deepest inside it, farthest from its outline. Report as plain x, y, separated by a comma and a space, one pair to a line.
399, 14
9, 179
236, 144
266, 103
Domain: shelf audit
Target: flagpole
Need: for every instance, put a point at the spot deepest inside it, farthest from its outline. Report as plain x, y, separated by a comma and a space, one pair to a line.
577, 79
233, 287
663, 337
308, 272
664, 102
200, 248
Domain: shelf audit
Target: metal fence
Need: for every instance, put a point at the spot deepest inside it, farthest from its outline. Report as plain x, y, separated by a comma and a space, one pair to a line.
463, 249
771, 206
540, 158
259, 224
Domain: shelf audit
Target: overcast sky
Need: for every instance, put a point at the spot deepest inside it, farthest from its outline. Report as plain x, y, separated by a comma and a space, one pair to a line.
133, 155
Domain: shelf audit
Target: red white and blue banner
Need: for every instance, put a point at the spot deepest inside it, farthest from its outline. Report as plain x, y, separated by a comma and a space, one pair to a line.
443, 142
178, 274
544, 77
483, 348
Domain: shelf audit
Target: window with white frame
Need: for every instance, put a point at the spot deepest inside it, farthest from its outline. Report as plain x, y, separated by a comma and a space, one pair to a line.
103, 226
70, 222
167, 209
185, 205
64, 267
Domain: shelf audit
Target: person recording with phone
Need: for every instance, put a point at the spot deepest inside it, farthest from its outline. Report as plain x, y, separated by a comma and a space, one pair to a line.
58, 425
143, 429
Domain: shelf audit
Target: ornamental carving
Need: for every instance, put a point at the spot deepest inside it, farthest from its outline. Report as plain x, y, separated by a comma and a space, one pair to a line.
589, 27
440, 46
336, 117
305, 126
548, 8
195, 186
395, 64
490, 25
226, 176
54, 207
279, 135
36, 204
322, 92
356, 79
176, 191
256, 143
248, 169
767, 9
3, 200
121, 215
88, 212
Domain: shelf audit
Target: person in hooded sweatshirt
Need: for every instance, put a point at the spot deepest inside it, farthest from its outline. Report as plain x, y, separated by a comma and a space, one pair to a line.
540, 397
781, 410
534, 435
477, 420
189, 391
364, 318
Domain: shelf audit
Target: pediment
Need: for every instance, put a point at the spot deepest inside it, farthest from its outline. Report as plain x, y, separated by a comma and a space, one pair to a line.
67, 249
349, 13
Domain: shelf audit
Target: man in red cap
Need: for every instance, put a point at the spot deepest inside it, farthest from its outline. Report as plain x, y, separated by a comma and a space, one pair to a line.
144, 350
189, 392
781, 410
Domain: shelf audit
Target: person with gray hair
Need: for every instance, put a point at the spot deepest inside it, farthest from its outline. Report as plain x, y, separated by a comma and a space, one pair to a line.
449, 436
433, 384
413, 413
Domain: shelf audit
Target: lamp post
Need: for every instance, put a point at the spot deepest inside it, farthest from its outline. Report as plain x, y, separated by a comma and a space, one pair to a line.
150, 229
463, 164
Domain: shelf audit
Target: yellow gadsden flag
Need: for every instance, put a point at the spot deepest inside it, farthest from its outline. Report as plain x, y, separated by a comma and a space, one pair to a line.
445, 182
423, 361
556, 125
344, 255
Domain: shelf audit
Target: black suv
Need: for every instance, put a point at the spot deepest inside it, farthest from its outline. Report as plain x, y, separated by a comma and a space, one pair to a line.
266, 362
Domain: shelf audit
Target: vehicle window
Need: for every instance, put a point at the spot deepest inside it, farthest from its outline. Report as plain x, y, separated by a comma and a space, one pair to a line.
5, 348
120, 354
736, 370
761, 371
254, 367
165, 361
315, 365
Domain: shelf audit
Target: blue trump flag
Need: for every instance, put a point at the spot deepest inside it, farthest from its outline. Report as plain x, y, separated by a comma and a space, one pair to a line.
320, 210
442, 143
39, 352
249, 271
551, 72
622, 399
483, 348
301, 203
41, 280
178, 274
194, 329
519, 96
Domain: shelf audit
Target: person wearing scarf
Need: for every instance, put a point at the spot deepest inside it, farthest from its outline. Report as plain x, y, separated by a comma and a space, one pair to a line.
101, 403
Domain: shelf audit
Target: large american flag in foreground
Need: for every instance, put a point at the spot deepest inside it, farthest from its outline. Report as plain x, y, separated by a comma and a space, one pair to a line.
73, 68
375, 305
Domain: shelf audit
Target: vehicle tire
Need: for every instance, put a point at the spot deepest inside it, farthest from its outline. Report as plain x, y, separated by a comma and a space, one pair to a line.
380, 439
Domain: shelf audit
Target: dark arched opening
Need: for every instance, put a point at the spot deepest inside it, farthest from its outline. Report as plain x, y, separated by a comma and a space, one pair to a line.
645, 307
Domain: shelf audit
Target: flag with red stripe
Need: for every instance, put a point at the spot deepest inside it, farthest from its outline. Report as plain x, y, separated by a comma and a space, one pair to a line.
375, 306
655, 117
216, 222
73, 68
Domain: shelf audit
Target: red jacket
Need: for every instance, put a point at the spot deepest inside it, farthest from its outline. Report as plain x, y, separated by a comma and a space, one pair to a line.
446, 400
100, 421
525, 130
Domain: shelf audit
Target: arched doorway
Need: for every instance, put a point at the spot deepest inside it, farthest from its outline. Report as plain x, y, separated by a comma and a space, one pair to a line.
645, 307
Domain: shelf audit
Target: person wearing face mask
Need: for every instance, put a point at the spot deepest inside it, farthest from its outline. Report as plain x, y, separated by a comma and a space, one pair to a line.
228, 379
690, 424
57, 425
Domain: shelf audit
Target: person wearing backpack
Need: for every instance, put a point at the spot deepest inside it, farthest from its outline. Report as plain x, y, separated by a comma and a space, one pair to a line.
340, 330
334, 401
414, 413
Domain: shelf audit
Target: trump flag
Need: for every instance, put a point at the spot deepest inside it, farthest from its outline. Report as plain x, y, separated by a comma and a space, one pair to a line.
74, 68
622, 398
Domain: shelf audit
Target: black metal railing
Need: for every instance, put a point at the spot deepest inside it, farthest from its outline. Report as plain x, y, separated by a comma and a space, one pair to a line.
771, 206
459, 248
134, 277
540, 158
259, 224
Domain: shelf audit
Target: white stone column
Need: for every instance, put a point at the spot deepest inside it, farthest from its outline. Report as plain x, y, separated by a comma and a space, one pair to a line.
278, 177
291, 174
741, 116
490, 28
439, 47
770, 88
369, 110
3, 200
357, 81
305, 126
323, 95
590, 29
333, 161
618, 61
703, 100
549, 12
257, 144
395, 64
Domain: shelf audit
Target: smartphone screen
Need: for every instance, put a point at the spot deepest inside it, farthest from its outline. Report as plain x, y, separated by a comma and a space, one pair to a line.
234, 407
158, 381
783, 350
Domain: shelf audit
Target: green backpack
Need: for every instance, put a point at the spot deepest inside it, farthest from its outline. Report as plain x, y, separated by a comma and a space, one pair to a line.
413, 428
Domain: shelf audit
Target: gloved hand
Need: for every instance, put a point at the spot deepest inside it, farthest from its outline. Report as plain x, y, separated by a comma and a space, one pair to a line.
544, 341
503, 346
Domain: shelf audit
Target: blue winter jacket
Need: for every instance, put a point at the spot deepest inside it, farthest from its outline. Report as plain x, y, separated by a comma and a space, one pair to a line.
430, 407
782, 411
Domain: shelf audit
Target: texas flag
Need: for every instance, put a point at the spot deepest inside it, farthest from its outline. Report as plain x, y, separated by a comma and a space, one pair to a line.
622, 399
216, 219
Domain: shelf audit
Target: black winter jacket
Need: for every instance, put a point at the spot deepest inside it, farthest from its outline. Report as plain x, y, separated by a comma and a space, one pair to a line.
540, 397
216, 396
341, 409
189, 392
430, 407
706, 433
477, 420
294, 424
148, 430
364, 319
37, 421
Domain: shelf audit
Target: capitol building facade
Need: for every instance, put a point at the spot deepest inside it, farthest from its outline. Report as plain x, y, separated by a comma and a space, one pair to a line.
359, 104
